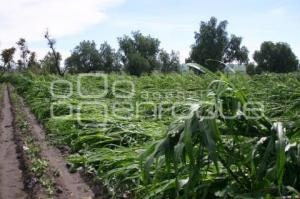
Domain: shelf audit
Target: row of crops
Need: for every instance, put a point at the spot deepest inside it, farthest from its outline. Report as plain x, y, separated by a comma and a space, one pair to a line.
175, 136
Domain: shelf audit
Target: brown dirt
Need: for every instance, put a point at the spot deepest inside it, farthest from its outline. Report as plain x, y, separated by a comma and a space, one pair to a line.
71, 185
32, 186
11, 182
13, 175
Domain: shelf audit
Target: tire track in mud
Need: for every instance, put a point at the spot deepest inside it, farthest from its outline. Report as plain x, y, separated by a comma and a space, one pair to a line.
11, 181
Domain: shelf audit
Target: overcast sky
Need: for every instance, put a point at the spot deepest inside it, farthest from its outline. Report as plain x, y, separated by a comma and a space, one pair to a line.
172, 21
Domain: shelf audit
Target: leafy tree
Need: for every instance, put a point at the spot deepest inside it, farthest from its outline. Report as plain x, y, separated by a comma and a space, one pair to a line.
234, 52
169, 62
23, 62
49, 63
110, 60
212, 43
56, 56
276, 57
251, 69
7, 56
33, 64
143, 48
84, 58
137, 64
32, 59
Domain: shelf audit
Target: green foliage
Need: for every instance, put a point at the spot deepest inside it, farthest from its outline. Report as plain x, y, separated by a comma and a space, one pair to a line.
185, 156
169, 62
216, 158
234, 52
7, 56
23, 62
251, 69
110, 60
276, 57
33, 64
56, 56
84, 58
48, 64
212, 43
139, 49
37, 166
137, 64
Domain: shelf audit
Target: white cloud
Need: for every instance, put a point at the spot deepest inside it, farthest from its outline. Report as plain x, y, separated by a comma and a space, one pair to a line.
31, 18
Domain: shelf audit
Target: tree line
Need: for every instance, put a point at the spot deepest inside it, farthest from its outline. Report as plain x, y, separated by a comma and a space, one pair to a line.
141, 54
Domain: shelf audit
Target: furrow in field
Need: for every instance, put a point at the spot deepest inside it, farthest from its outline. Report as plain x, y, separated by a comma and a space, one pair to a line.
70, 184
11, 182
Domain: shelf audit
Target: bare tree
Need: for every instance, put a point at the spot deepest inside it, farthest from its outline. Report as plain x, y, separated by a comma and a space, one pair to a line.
56, 55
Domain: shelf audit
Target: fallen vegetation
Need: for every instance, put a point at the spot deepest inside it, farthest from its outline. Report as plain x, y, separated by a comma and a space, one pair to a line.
185, 156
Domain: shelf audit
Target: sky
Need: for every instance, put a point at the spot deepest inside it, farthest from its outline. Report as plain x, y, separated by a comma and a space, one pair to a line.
173, 22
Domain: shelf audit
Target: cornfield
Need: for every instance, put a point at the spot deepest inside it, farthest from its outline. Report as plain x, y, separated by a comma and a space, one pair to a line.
149, 155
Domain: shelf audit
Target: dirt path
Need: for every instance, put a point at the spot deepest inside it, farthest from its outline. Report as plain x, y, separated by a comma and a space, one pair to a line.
70, 184
11, 182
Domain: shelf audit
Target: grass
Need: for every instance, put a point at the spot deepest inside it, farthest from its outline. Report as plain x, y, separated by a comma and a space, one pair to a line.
182, 156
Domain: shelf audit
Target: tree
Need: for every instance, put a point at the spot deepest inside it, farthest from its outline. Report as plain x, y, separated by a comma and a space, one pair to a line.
33, 64
234, 52
49, 63
55, 55
251, 69
169, 62
212, 43
110, 60
23, 62
276, 57
143, 48
7, 56
32, 59
137, 64
84, 58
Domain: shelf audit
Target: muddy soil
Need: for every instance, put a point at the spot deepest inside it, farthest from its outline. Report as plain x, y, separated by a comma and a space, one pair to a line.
12, 165
70, 184
11, 181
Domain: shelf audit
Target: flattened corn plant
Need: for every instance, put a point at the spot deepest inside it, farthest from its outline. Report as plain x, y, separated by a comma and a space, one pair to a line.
192, 156
218, 157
